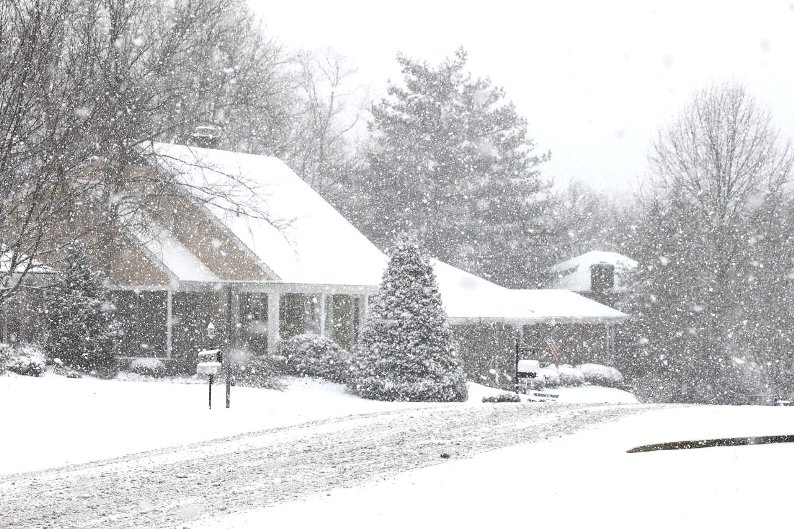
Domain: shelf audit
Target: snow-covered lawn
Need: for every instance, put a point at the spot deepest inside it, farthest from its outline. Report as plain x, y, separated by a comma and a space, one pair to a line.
53, 420
586, 480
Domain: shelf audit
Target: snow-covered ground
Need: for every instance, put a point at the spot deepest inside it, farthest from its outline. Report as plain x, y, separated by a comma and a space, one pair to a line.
583, 480
314, 455
96, 419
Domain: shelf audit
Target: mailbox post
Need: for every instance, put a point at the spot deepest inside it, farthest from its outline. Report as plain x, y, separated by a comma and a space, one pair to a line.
208, 361
227, 369
208, 365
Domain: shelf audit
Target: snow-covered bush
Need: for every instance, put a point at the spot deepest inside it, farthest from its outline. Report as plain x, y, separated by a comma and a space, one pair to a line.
406, 352
314, 356
81, 320
570, 376
550, 375
152, 367
601, 375
503, 397
537, 383
26, 360
254, 370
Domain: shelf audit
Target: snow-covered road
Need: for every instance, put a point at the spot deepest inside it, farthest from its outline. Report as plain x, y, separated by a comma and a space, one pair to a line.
171, 487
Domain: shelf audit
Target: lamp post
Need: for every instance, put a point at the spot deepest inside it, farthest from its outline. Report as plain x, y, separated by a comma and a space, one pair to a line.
211, 333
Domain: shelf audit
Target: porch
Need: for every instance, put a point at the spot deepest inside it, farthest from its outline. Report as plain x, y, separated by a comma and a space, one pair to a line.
172, 323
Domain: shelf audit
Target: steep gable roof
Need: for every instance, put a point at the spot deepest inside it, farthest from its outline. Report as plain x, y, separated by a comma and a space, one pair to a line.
290, 228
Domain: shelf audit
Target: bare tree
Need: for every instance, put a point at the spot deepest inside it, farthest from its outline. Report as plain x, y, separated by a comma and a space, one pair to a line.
721, 152
88, 86
716, 168
328, 111
151, 71
40, 122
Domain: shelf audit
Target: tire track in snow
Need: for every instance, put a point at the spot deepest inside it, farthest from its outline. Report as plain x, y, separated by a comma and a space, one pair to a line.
170, 487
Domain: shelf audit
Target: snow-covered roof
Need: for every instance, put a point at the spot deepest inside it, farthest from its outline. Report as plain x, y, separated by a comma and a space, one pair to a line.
303, 240
574, 274
181, 263
471, 299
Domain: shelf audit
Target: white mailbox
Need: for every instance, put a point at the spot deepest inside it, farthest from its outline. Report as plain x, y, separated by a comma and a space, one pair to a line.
208, 362
208, 368
528, 368
208, 355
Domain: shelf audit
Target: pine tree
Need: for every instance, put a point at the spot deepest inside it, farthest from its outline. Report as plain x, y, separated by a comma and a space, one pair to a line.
406, 351
80, 317
451, 159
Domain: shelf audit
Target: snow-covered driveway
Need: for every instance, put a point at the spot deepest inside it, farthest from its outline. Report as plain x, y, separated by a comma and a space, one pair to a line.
171, 487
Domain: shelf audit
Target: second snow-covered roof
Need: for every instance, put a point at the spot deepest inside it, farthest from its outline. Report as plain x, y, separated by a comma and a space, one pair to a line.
471, 299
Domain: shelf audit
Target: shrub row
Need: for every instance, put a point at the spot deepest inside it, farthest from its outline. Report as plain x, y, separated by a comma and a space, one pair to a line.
566, 375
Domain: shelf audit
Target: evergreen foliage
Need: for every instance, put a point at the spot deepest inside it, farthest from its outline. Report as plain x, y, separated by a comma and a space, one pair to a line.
451, 160
406, 351
80, 317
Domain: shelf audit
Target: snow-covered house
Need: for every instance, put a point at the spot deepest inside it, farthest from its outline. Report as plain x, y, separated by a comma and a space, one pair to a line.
250, 247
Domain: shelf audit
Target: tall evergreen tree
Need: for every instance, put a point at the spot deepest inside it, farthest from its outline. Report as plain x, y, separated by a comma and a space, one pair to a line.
406, 351
451, 159
80, 317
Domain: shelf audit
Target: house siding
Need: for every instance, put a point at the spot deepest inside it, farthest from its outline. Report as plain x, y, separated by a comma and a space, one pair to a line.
198, 230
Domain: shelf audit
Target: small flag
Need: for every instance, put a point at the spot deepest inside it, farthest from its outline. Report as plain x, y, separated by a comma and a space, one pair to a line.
555, 351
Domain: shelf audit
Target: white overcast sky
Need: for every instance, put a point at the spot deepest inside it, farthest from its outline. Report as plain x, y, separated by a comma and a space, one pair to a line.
595, 79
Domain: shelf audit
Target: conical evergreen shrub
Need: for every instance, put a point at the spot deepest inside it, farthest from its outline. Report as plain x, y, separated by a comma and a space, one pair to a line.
80, 317
406, 351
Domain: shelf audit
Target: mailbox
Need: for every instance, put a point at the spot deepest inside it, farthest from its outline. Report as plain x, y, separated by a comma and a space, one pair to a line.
208, 362
208, 368
527, 369
209, 355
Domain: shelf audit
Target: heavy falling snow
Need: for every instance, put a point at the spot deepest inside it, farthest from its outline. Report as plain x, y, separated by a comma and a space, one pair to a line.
408, 264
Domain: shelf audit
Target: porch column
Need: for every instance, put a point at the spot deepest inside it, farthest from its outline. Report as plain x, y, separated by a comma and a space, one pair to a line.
364, 307
329, 317
610, 341
363, 310
322, 307
234, 317
273, 321
518, 332
169, 322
